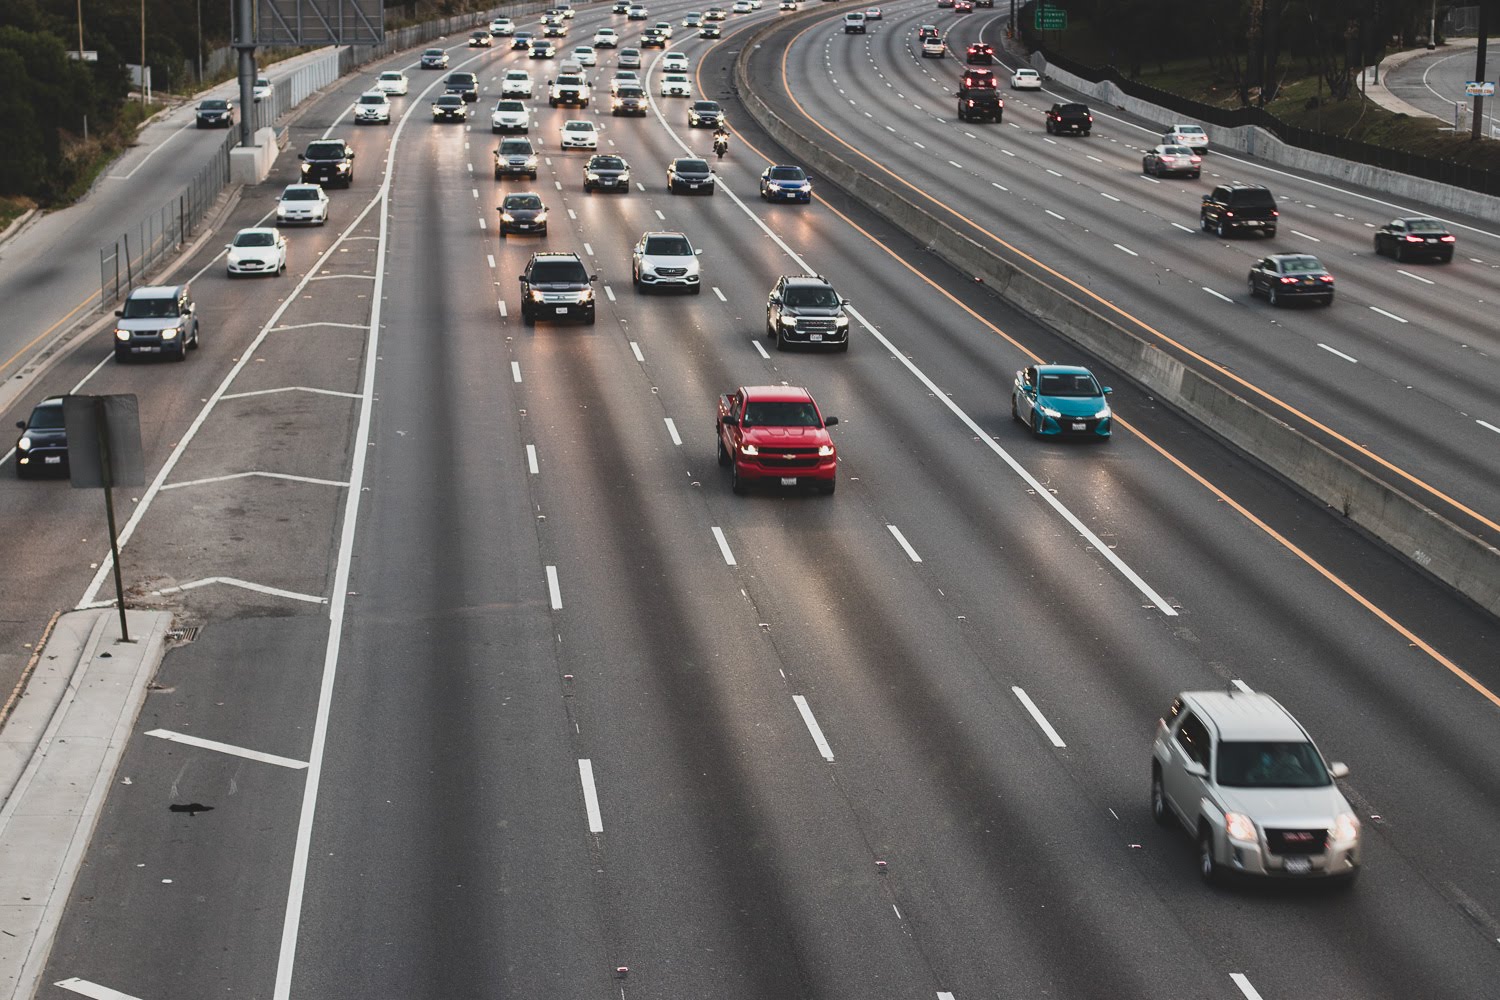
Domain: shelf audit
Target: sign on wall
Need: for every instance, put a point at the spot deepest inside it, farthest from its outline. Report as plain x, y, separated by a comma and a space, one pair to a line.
319, 22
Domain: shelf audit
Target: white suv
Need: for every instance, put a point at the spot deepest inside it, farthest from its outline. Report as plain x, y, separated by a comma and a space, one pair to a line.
372, 106
665, 260
1239, 773
517, 83
510, 116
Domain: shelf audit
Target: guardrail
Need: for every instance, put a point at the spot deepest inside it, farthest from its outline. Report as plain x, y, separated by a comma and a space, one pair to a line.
1432, 542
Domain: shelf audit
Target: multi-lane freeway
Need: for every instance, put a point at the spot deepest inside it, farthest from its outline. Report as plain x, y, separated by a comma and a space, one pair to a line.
528, 703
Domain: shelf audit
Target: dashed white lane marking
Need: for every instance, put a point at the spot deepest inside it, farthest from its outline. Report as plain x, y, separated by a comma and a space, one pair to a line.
723, 546
515, 371
672, 430
1127, 250
590, 795
1244, 984
1094, 158
660, 216
1488, 426
609, 293
1242, 686
918, 144
1387, 315
971, 135
900, 538
471, 168
588, 250
474, 192
1425, 281
761, 349
502, 308
813, 727
639, 186
636, 350
1054, 173
944, 996
482, 224
1186, 229
1306, 237
719, 294
1007, 152
1041, 720
1147, 177
1106, 194
1217, 295
1341, 354
955, 163
1054, 215
491, 258
553, 590
889, 129
93, 990
572, 214
1052, 141
997, 184
531, 465
234, 751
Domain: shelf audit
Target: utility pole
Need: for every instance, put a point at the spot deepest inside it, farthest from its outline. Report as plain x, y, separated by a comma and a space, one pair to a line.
1484, 37
1432, 28
80, 29
143, 51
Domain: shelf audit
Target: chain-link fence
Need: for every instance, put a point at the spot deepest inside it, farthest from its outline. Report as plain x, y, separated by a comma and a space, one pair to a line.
1461, 21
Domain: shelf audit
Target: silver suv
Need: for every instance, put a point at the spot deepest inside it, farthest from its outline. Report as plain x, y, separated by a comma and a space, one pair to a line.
157, 320
1239, 773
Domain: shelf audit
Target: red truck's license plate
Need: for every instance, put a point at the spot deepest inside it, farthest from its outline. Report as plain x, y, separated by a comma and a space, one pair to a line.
788, 480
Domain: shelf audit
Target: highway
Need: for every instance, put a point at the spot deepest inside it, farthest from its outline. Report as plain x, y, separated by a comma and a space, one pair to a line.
527, 703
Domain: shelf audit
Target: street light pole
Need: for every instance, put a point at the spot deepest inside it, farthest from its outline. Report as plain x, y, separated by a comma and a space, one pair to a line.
143, 51
1432, 28
200, 43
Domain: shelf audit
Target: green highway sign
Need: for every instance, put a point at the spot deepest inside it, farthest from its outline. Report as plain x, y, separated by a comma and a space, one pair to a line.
1050, 18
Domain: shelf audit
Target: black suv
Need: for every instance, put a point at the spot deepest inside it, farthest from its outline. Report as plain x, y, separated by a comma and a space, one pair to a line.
1073, 118
705, 114
328, 161
464, 84
806, 310
43, 445
556, 286
1230, 208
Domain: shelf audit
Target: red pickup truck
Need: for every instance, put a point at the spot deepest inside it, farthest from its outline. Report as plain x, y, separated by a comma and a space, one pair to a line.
775, 434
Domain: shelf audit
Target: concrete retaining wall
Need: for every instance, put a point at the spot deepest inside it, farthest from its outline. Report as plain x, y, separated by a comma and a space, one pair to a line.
1441, 547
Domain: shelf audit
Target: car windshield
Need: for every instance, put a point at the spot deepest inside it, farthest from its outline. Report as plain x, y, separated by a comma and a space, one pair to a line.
531, 201
214, 105
460, 79
668, 246
1026, 72
607, 163
1425, 226
1069, 384
518, 75
1270, 765
787, 174
816, 295
1073, 109
579, 127
549, 271
510, 106
631, 90
46, 418
300, 194
156, 308
1189, 130
325, 151
1301, 265
372, 99
515, 147
706, 106
781, 414
450, 101
692, 166
1176, 151
433, 53
391, 76
255, 240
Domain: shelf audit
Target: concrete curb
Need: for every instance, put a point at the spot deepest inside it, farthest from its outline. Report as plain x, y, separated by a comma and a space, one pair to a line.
18, 223
1437, 545
58, 757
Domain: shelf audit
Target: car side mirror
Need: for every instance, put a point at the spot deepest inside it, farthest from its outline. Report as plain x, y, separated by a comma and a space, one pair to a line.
1196, 769
229, 246
830, 421
593, 278
350, 153
1338, 769
119, 312
301, 157
1107, 390
698, 252
21, 424
774, 298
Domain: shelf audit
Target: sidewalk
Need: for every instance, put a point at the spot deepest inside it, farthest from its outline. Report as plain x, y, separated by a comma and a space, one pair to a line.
58, 754
1372, 78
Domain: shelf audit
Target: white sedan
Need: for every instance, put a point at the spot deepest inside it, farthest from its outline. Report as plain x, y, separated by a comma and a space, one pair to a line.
306, 203
674, 62
1026, 79
502, 26
256, 251
392, 81
1191, 136
606, 38
741, 7
580, 133
584, 55
676, 85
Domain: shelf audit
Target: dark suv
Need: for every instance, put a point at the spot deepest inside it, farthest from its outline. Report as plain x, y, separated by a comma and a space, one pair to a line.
328, 161
1070, 118
556, 286
1230, 208
806, 310
464, 84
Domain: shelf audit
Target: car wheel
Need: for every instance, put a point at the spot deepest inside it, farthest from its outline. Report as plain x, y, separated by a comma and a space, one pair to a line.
1446, 258
736, 482
527, 318
1221, 231
1254, 292
533, 175
1271, 233
1015, 412
697, 290
589, 319
1274, 298
723, 455
1196, 174
1399, 254
1208, 866
1145, 167
1159, 809
1203, 222
827, 488
181, 354
1328, 302
1379, 250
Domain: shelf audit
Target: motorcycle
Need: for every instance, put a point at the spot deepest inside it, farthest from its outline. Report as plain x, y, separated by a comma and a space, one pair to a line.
721, 146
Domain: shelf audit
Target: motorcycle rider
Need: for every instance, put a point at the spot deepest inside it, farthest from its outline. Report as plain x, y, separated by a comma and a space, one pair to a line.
721, 141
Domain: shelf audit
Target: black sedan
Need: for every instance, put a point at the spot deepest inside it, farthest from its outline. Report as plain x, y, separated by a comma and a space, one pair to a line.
450, 108
523, 212
705, 114
543, 49
522, 40
43, 446
1415, 238
1283, 277
688, 173
215, 113
653, 38
606, 172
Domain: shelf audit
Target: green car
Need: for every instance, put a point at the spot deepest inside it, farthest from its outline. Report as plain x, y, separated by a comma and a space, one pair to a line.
1061, 401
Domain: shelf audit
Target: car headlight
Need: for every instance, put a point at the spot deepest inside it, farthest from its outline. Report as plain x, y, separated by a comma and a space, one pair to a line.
788, 321
1346, 828
343, 168
24, 444
592, 175
537, 296
804, 186
1239, 827
306, 167
841, 321
1103, 412
749, 449
825, 450
170, 333
587, 296
507, 217
531, 162
541, 216
1049, 411
624, 176
122, 334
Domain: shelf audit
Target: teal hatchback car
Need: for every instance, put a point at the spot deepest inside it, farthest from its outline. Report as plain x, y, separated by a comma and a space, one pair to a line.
1061, 401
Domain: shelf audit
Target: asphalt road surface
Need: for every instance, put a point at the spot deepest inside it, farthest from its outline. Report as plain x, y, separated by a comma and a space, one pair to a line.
1435, 81
519, 700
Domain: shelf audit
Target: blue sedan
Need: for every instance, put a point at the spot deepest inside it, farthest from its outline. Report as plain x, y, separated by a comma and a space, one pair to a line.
1061, 401
785, 182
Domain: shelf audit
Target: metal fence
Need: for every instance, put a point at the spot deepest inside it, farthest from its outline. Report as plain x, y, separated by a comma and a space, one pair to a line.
1461, 21
124, 263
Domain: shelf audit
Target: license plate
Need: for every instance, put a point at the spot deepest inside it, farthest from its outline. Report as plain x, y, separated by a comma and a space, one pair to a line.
1296, 866
788, 480
692, 184
562, 310
815, 337
52, 460
148, 350
1079, 427
1432, 241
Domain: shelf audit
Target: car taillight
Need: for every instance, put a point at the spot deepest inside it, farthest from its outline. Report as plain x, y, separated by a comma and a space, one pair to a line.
1413, 239
1197, 159
1288, 280
1326, 278
1228, 214
1091, 117
1275, 214
1450, 239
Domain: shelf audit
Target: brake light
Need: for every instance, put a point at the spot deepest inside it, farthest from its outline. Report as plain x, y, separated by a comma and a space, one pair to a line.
1197, 159
1450, 239
1287, 280
1413, 239
1328, 278
1228, 214
1275, 213
1091, 117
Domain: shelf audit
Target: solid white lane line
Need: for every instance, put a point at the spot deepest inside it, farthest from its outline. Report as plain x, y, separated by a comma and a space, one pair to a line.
672, 430
1186, 229
1388, 315
93, 990
719, 294
515, 371
531, 465
233, 751
1127, 250
1217, 295
911, 552
1425, 281
761, 349
1041, 720
1054, 215
553, 590
1341, 354
609, 293
813, 727
1488, 426
636, 350
590, 795
1242, 686
1106, 194
1306, 237
1244, 984
723, 545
